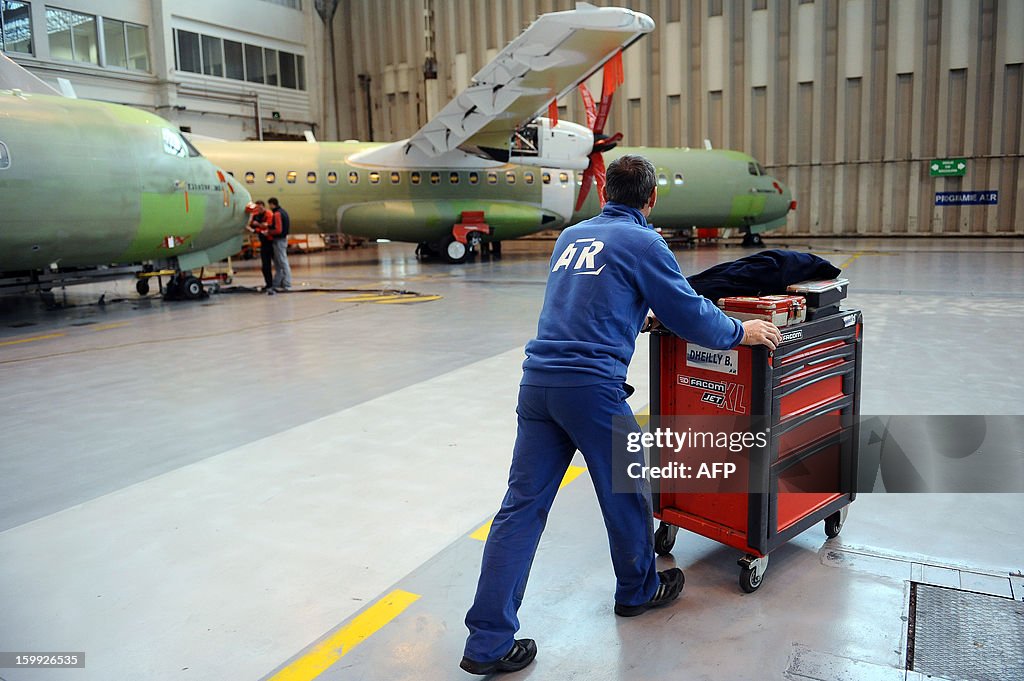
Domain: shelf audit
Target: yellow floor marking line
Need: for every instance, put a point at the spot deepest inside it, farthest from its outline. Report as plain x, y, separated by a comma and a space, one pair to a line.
643, 415
344, 641
33, 338
365, 299
106, 327
846, 263
571, 474
408, 299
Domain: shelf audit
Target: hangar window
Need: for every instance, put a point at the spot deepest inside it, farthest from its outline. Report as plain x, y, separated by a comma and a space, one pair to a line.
492, 178
287, 67
528, 177
453, 178
678, 178
474, 178
563, 178
250, 177
253, 63
435, 177
213, 56
332, 177
395, 177
546, 177
72, 35
414, 177
662, 179
234, 65
271, 177
209, 55
353, 177
510, 177
270, 66
292, 176
16, 35
311, 177
375, 177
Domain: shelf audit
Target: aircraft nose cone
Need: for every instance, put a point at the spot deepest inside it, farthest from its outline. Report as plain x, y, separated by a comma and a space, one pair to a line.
784, 198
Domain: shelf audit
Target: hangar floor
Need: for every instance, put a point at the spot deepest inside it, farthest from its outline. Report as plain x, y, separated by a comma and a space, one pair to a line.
294, 487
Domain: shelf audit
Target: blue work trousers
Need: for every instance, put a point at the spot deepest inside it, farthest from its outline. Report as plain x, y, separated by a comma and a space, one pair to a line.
553, 424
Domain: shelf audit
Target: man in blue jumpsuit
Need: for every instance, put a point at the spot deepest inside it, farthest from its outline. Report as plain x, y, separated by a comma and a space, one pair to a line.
605, 273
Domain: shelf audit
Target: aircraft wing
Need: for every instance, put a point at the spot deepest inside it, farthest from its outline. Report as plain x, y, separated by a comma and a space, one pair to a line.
552, 56
13, 77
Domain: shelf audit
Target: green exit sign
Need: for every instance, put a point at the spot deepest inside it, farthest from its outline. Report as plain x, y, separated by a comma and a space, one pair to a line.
944, 167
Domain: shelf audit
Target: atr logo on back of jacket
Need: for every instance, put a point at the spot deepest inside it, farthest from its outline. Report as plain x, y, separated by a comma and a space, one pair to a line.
583, 251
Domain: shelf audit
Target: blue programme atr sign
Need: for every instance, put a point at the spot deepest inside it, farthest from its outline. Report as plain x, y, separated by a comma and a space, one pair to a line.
989, 197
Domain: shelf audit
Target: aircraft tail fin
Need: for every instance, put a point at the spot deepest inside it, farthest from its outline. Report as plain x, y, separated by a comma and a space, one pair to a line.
13, 77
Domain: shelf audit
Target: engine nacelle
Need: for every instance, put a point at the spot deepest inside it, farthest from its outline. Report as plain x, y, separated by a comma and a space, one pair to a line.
567, 145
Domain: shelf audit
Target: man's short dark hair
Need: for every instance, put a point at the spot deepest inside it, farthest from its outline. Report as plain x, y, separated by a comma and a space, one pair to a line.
273, 201
630, 180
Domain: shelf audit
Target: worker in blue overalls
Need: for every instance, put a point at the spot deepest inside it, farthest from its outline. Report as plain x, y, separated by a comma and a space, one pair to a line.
605, 274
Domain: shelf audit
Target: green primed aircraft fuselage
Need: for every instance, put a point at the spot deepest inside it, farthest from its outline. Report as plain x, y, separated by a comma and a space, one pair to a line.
87, 184
325, 188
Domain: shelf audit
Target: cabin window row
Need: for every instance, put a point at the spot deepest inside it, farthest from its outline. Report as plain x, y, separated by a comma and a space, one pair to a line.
415, 177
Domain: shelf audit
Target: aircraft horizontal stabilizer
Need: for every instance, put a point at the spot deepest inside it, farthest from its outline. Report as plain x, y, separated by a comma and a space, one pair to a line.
552, 56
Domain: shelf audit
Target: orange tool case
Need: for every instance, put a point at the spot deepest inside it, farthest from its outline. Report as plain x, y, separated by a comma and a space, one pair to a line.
807, 393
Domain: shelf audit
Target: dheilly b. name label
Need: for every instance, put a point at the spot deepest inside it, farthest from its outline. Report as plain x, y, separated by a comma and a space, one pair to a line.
722, 361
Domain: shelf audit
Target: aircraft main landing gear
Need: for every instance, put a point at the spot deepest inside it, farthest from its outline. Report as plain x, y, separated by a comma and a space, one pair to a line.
184, 286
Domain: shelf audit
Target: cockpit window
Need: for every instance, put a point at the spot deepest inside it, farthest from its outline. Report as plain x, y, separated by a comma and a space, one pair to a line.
760, 168
192, 151
174, 143
5, 157
752, 168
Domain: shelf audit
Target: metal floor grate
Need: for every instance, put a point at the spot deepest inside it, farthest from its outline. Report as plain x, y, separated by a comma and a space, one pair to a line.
963, 635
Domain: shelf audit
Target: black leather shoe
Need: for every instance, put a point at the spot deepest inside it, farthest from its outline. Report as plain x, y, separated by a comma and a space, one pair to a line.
668, 590
521, 655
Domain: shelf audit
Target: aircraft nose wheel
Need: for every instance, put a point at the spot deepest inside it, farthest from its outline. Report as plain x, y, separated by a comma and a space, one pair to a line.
454, 251
752, 240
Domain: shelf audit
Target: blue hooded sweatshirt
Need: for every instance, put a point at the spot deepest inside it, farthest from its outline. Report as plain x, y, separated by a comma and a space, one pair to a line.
605, 273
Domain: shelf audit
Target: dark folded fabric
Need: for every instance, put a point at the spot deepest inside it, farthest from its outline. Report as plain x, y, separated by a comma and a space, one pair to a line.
761, 274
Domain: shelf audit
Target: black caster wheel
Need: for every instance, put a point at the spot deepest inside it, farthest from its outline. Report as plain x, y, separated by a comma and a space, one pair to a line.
833, 524
750, 580
665, 539
752, 572
142, 286
192, 288
752, 240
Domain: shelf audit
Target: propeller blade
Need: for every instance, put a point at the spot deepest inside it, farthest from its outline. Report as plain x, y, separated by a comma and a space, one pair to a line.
588, 105
613, 78
553, 112
588, 176
597, 163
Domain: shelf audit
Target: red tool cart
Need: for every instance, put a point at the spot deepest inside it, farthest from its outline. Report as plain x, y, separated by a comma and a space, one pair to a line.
807, 392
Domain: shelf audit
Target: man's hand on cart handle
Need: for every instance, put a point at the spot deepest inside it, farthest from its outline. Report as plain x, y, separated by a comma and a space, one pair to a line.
651, 324
760, 332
